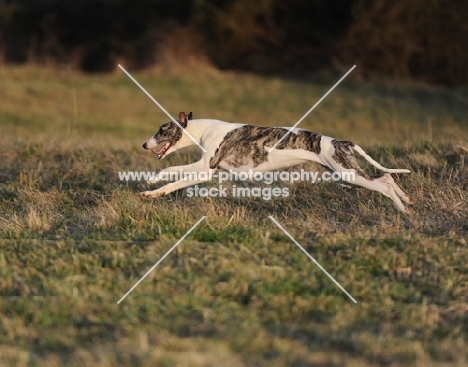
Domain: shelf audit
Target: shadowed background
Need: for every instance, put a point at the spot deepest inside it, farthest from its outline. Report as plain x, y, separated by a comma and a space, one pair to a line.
406, 39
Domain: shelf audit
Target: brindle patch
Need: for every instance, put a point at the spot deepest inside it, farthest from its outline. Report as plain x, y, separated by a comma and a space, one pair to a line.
344, 155
168, 132
250, 142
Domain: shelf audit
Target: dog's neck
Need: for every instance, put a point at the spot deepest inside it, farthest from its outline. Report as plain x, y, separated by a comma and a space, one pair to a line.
196, 130
202, 128
206, 132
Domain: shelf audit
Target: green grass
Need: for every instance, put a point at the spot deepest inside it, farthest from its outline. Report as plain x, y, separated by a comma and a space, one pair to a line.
237, 291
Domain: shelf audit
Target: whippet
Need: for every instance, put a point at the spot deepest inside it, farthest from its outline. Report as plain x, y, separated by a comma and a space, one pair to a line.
240, 147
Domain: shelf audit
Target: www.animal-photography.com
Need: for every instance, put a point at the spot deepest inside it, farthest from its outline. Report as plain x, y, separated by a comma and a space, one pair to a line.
233, 183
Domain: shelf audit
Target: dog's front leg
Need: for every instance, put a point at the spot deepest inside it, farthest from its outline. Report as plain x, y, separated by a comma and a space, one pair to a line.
198, 173
165, 173
173, 186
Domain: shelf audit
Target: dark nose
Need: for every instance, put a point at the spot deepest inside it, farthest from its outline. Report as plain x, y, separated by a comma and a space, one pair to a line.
144, 146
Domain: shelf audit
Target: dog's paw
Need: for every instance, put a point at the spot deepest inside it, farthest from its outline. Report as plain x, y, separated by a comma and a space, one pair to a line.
151, 194
410, 200
151, 182
410, 211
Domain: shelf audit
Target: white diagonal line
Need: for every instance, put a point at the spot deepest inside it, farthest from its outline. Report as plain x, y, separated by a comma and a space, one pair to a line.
307, 113
161, 259
310, 257
161, 107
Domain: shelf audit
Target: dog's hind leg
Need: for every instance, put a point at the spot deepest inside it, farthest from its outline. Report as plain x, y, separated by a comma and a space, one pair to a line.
384, 186
340, 158
387, 178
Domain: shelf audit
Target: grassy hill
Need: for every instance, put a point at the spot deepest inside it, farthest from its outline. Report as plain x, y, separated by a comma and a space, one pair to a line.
237, 291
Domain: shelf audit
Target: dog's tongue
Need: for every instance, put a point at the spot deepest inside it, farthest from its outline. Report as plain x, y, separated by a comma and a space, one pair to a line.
163, 150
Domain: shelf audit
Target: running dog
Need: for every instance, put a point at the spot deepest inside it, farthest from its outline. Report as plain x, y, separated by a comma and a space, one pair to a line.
240, 147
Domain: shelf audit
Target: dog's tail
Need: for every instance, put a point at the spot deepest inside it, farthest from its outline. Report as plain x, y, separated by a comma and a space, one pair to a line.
368, 158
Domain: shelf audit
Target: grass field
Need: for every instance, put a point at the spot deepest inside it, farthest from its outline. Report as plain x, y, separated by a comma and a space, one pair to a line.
237, 291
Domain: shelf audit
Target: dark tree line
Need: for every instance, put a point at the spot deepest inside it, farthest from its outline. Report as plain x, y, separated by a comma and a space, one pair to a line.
424, 40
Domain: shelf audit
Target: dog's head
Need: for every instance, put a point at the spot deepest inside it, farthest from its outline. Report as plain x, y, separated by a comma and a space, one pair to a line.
169, 134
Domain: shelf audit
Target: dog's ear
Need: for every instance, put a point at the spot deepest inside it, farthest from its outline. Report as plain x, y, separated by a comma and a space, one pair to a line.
183, 119
190, 116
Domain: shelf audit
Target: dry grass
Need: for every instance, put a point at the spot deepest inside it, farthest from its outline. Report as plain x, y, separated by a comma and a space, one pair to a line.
237, 292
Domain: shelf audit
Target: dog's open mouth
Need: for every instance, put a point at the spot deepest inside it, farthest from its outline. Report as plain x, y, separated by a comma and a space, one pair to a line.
160, 153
